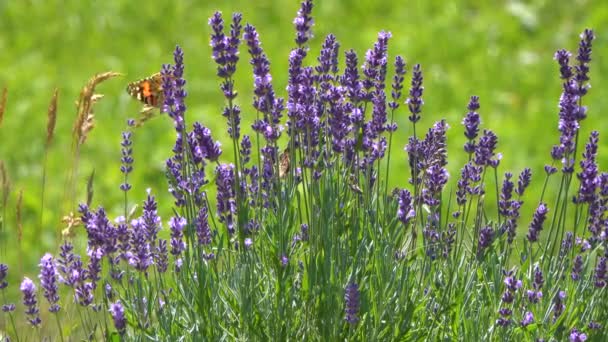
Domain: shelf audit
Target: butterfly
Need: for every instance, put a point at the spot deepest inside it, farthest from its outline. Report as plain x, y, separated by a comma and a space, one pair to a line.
148, 90
284, 163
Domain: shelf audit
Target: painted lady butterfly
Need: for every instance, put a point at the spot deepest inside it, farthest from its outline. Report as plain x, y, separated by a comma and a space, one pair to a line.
148, 90
284, 163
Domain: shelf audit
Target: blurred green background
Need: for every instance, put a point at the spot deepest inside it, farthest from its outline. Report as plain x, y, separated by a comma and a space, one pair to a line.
499, 50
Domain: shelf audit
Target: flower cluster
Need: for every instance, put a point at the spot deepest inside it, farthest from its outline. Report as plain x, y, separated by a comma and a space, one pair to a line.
304, 227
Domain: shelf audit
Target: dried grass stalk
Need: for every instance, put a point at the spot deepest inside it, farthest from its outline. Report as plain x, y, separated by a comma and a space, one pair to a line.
84, 107
2, 104
51, 119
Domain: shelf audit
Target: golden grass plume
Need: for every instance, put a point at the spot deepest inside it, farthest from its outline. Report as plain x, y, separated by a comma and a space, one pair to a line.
51, 118
84, 107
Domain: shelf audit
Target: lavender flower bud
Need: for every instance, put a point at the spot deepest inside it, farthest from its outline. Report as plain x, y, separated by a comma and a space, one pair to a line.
126, 159
484, 152
558, 305
161, 257
406, 210
118, 316
351, 299
397, 85
589, 171
524, 180
28, 289
8, 307
226, 203
584, 58
3, 273
48, 281
528, 319
600, 272
471, 124
577, 268
204, 145
577, 336
415, 102
537, 222
486, 237
303, 23
203, 232
177, 225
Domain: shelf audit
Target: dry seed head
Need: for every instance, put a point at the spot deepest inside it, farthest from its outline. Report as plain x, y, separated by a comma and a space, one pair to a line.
6, 184
52, 118
18, 215
84, 107
2, 104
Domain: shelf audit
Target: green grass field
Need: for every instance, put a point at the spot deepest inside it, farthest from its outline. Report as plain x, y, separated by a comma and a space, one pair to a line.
500, 51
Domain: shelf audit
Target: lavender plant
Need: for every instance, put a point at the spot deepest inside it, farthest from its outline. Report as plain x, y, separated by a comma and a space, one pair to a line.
303, 240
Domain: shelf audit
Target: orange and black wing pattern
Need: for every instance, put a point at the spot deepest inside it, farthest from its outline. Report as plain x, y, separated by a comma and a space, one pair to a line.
148, 90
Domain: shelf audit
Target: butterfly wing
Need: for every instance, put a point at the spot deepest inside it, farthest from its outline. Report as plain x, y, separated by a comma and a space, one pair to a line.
148, 90
284, 163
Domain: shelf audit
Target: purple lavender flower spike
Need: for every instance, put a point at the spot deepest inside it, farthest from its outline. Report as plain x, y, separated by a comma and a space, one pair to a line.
589, 171
558, 305
524, 180
328, 58
601, 271
245, 150
528, 319
118, 316
570, 110
536, 293
486, 237
126, 159
484, 152
264, 96
65, 261
150, 220
374, 68
263, 90
225, 54
48, 281
550, 169
471, 124
397, 84
414, 102
206, 147
140, 255
352, 304
3, 274
406, 210
577, 336
537, 222
226, 205
577, 268
161, 256
303, 23
506, 194
350, 79
8, 307
203, 232
173, 89
512, 285
583, 58
28, 289
94, 267
177, 226
563, 59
